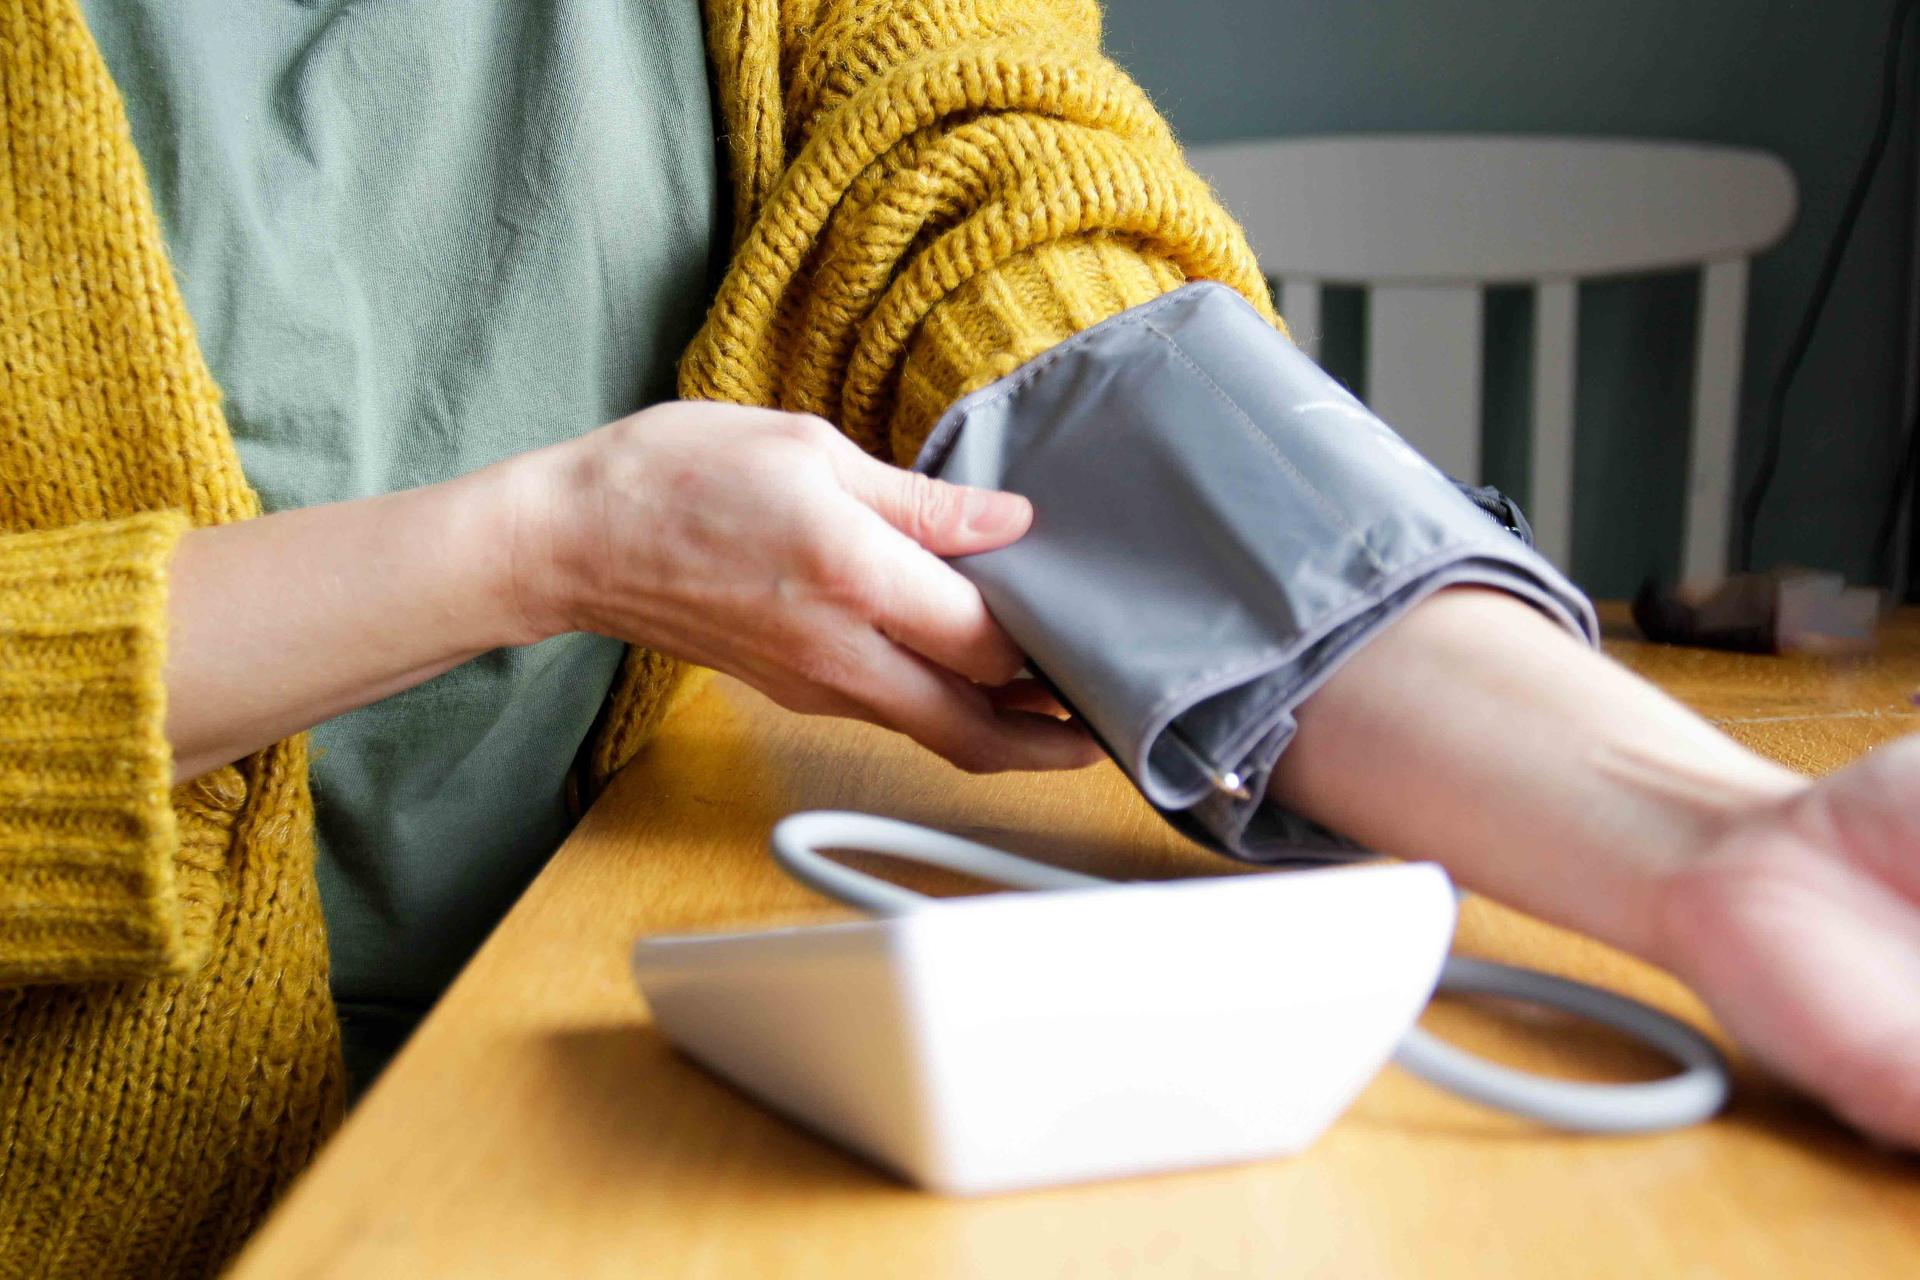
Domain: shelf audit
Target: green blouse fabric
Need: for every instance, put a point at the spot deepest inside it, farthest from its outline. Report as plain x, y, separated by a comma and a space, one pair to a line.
418, 236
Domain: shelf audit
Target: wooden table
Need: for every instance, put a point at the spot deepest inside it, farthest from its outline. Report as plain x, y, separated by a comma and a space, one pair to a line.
538, 1126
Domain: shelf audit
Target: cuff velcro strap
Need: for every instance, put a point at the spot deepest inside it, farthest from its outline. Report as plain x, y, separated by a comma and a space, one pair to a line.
1218, 525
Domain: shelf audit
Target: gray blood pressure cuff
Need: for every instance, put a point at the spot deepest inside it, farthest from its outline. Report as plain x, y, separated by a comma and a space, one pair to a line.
1217, 525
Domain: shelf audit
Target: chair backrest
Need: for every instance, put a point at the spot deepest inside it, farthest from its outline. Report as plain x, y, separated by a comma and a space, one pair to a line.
1425, 222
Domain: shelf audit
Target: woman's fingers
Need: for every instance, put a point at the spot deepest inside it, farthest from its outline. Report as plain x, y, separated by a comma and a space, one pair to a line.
919, 601
955, 720
1026, 695
946, 519
908, 522
810, 569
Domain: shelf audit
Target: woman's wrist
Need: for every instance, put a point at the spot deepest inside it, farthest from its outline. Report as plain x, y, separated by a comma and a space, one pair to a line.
281, 622
1476, 733
1677, 805
516, 522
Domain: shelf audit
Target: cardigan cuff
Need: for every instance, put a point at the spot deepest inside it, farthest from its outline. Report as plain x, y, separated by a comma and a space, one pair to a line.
95, 881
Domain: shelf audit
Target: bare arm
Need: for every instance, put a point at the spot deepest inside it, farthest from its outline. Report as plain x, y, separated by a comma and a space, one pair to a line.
1475, 733
763, 544
283, 622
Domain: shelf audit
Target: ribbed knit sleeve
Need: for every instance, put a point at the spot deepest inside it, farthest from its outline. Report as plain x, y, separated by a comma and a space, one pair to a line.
928, 193
95, 881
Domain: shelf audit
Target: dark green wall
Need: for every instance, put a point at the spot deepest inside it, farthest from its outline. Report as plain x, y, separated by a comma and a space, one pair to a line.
1794, 77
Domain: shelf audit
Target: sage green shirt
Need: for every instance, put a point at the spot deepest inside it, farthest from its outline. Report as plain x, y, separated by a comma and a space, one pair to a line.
417, 236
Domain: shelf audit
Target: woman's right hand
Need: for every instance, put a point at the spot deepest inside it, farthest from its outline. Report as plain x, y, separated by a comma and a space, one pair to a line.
768, 546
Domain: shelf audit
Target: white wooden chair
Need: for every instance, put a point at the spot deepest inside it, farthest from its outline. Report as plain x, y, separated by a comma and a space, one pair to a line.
1425, 222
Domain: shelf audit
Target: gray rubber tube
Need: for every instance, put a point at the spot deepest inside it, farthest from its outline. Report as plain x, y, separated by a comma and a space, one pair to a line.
1695, 1094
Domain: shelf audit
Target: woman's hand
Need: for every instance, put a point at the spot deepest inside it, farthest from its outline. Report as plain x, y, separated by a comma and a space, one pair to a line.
768, 546
1800, 926
760, 543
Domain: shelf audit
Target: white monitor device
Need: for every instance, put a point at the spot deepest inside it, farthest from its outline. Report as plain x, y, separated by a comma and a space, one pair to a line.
1016, 1040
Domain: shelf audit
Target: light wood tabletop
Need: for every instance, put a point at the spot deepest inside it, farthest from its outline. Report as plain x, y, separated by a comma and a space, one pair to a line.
538, 1126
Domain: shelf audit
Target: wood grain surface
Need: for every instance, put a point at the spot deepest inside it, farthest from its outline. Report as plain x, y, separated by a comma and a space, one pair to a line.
538, 1126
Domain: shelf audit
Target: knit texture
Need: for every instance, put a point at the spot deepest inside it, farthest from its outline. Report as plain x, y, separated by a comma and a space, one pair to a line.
925, 195
928, 194
98, 884
168, 1059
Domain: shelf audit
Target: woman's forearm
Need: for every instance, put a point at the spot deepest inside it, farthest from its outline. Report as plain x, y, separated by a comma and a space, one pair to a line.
282, 622
1476, 733
759, 543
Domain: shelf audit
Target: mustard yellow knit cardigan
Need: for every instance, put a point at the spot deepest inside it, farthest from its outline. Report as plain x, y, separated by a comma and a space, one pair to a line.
926, 194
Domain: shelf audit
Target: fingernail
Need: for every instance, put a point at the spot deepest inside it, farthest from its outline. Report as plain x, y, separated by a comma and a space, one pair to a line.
993, 514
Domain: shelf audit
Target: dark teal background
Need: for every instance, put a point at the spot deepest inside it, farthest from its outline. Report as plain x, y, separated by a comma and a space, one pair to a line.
1794, 77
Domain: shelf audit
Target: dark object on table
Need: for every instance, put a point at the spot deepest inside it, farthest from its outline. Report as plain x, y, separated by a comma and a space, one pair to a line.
1787, 611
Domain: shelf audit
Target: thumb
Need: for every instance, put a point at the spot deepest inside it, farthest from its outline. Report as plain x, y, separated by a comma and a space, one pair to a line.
946, 519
